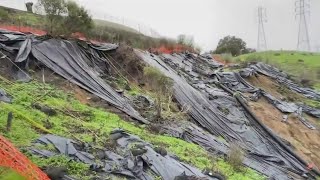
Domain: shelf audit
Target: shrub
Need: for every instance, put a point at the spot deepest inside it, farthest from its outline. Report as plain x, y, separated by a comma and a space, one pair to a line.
159, 83
252, 58
235, 157
4, 15
227, 57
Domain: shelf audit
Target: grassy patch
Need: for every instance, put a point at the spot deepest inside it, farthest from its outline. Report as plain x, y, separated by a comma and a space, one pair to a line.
99, 123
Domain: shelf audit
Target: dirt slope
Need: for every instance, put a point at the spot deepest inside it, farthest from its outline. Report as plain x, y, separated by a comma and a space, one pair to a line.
304, 140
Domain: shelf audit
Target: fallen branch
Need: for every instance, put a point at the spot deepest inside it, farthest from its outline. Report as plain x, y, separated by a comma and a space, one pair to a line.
32, 122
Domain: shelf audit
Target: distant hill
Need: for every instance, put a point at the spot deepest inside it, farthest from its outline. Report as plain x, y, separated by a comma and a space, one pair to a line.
13, 16
110, 24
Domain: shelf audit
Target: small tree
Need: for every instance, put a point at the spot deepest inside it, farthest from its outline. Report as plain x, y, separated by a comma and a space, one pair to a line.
54, 9
186, 40
78, 19
231, 44
65, 17
159, 83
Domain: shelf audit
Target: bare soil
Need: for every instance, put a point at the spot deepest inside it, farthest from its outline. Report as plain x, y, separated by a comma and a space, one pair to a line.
304, 140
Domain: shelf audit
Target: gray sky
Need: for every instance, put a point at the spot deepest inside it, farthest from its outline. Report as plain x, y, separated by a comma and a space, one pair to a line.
210, 20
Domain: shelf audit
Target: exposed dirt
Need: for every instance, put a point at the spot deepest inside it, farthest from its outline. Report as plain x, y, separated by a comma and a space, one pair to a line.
6, 66
305, 141
275, 89
219, 58
128, 63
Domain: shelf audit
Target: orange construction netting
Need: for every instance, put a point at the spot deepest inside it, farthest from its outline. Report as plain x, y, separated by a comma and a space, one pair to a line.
13, 159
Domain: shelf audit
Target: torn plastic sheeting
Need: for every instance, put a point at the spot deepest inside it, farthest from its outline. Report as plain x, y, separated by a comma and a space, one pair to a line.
192, 133
282, 79
303, 120
166, 167
247, 72
10, 37
283, 106
4, 97
233, 127
24, 51
104, 46
286, 107
311, 111
67, 59
66, 147
235, 82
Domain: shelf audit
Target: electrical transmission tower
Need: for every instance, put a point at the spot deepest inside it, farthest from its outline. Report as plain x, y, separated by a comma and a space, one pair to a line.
302, 10
262, 18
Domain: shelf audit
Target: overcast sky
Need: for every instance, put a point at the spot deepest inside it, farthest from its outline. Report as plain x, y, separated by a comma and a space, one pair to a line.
210, 20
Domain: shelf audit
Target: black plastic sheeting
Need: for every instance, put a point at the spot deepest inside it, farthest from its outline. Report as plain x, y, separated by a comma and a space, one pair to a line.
145, 165
104, 46
286, 107
282, 78
69, 59
235, 82
221, 115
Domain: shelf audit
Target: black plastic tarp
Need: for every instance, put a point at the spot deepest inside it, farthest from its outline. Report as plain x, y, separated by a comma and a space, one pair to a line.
66, 59
128, 164
223, 116
282, 78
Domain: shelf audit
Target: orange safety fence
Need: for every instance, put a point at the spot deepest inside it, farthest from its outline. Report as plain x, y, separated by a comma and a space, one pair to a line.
24, 29
13, 159
171, 49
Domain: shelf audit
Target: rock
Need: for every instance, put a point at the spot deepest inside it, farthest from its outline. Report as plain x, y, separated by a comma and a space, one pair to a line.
161, 151
56, 173
45, 109
138, 151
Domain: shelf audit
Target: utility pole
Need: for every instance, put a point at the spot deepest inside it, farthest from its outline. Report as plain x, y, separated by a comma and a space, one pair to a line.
262, 18
302, 10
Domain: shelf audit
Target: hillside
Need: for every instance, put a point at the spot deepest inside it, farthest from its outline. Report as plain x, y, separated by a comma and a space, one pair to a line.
14, 16
104, 23
302, 66
17, 20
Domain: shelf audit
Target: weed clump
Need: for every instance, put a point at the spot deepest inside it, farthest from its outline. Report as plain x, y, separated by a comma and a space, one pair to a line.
227, 57
160, 84
235, 157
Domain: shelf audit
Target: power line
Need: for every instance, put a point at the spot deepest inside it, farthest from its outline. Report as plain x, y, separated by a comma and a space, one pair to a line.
262, 18
302, 10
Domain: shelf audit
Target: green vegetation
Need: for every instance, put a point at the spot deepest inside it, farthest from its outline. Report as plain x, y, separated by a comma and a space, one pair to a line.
235, 157
302, 66
232, 45
8, 174
113, 25
160, 84
102, 30
92, 122
65, 17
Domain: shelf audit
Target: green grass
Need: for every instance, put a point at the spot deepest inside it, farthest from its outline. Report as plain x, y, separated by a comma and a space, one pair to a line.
8, 174
300, 65
98, 121
105, 23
